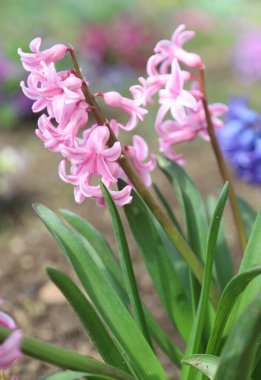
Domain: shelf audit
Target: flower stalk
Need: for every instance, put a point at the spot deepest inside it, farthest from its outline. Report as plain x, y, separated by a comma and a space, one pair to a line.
184, 249
223, 167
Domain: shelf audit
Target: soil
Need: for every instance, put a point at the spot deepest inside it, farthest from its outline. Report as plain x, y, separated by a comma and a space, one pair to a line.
27, 248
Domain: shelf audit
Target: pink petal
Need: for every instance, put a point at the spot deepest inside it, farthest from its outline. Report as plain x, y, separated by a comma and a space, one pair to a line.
10, 349
7, 321
123, 196
178, 112
141, 147
113, 153
188, 100
35, 45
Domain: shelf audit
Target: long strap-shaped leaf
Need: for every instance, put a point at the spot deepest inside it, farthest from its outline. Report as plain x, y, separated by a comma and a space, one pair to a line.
196, 335
147, 233
250, 259
105, 257
167, 207
248, 215
228, 299
239, 351
114, 314
115, 277
72, 375
126, 265
64, 358
194, 214
223, 260
191, 203
89, 318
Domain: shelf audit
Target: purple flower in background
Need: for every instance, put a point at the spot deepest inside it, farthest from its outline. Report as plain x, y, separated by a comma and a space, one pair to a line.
240, 140
248, 56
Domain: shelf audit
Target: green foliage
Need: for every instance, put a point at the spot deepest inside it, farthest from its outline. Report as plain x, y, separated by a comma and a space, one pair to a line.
224, 273
112, 312
238, 354
156, 256
110, 269
69, 375
195, 341
118, 320
89, 318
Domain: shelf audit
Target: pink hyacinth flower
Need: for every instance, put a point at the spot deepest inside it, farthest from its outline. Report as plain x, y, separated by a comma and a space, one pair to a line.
171, 134
10, 348
175, 98
137, 154
120, 197
65, 133
115, 99
52, 90
216, 110
92, 156
32, 61
170, 49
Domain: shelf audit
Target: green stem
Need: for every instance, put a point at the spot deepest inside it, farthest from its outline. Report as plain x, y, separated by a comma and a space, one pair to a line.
182, 246
223, 168
66, 359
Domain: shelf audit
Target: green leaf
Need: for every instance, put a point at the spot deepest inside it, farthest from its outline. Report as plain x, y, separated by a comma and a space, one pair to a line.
191, 203
248, 215
207, 364
126, 264
71, 375
223, 261
232, 291
89, 318
166, 344
194, 214
250, 259
195, 340
105, 258
64, 358
103, 249
239, 351
147, 234
167, 207
108, 304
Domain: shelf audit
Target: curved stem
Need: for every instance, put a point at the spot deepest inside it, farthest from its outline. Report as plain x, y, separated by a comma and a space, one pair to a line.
223, 168
182, 246
65, 358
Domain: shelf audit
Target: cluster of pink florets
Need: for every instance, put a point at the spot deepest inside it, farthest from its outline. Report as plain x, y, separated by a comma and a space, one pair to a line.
89, 156
180, 115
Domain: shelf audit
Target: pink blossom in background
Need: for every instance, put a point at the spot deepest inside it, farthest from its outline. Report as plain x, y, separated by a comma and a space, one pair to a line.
247, 56
123, 40
10, 348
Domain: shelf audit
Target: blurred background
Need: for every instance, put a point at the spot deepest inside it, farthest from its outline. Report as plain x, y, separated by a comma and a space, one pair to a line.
113, 40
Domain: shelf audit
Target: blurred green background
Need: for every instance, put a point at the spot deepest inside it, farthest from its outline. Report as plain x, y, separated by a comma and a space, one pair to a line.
219, 26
